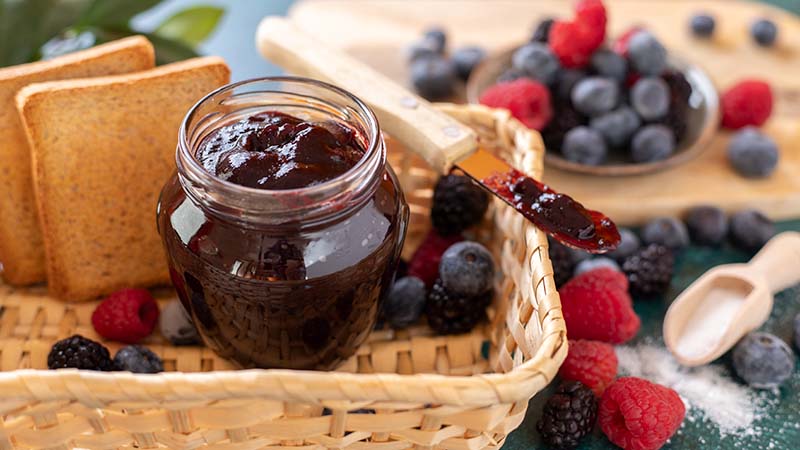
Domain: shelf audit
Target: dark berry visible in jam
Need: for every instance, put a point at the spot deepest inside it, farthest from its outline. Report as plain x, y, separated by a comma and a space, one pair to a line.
275, 151
557, 214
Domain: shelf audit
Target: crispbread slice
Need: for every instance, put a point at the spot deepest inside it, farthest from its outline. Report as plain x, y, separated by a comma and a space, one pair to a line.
21, 247
102, 149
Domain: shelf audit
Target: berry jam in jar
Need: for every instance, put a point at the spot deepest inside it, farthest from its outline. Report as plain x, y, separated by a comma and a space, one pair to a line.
284, 223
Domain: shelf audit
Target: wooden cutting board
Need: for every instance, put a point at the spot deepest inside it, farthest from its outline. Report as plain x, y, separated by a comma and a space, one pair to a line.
378, 32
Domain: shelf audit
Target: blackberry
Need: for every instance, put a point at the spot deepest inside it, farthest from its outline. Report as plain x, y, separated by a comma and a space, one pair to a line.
458, 204
565, 118
451, 314
649, 270
677, 115
77, 352
542, 31
568, 416
563, 261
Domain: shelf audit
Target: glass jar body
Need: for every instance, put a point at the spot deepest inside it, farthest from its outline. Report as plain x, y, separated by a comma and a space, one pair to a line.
283, 279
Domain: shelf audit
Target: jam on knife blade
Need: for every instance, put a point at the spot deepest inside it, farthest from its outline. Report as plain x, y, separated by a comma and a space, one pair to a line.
556, 214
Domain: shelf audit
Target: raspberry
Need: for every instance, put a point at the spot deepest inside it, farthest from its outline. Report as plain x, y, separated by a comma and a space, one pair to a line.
596, 305
528, 101
593, 363
592, 15
128, 315
574, 42
636, 414
424, 263
749, 102
621, 44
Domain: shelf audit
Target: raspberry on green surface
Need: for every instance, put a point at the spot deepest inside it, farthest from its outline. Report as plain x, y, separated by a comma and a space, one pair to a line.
636, 414
593, 363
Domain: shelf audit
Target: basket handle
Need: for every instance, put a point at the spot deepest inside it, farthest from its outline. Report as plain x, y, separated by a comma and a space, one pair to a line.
438, 138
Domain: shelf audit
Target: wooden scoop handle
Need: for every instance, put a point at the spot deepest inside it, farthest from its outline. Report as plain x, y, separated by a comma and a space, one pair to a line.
438, 138
779, 261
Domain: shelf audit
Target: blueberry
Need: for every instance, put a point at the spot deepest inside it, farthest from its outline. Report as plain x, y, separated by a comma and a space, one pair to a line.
466, 59
646, 54
629, 243
652, 143
617, 126
763, 360
566, 80
138, 359
436, 37
752, 153
609, 64
176, 325
584, 145
750, 230
542, 31
595, 95
707, 225
537, 61
702, 25
433, 78
797, 331
510, 74
405, 302
764, 32
467, 269
419, 50
650, 98
667, 231
595, 263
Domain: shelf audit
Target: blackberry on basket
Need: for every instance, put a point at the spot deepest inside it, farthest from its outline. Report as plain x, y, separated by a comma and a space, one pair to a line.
78, 352
458, 204
449, 313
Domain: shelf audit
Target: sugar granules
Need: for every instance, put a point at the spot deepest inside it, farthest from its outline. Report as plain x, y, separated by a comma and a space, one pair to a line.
707, 391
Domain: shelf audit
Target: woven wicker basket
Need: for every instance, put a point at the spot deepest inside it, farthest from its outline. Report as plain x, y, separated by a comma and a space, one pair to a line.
402, 390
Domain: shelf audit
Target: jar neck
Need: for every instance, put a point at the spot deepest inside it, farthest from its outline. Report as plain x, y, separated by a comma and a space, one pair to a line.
303, 207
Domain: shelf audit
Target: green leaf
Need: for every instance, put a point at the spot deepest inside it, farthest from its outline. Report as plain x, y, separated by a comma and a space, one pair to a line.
25, 25
170, 50
114, 13
192, 25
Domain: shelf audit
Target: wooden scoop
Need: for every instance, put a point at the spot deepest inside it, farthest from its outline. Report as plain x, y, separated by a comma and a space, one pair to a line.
729, 301
441, 140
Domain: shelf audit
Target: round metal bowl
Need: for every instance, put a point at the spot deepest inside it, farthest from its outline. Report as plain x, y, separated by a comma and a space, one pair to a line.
703, 120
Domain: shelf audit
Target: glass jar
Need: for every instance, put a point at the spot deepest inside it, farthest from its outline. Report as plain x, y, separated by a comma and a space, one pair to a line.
283, 278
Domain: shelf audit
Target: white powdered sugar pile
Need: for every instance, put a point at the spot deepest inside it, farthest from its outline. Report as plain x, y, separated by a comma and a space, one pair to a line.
707, 391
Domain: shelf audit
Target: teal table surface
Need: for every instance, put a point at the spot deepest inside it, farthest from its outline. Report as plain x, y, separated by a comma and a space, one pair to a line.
779, 426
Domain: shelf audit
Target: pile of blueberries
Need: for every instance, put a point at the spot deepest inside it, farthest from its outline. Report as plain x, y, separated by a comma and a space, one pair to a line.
627, 100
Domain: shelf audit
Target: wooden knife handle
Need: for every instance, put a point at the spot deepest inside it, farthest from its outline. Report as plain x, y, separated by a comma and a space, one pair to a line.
437, 137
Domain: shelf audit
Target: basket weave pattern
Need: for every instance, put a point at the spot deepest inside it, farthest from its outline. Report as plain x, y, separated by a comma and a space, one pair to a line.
405, 389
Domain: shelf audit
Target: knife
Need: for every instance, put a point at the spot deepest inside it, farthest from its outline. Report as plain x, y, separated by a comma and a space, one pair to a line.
442, 141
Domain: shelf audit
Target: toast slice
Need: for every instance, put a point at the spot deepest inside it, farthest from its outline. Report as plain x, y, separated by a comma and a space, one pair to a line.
102, 149
21, 247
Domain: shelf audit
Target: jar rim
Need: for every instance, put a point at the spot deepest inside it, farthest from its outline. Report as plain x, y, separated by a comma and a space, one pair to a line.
373, 138
277, 206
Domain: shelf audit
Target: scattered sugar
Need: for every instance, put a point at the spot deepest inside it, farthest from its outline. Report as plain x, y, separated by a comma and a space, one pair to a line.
709, 321
708, 392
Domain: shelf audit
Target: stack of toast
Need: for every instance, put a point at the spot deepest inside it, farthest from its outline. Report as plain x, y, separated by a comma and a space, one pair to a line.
88, 140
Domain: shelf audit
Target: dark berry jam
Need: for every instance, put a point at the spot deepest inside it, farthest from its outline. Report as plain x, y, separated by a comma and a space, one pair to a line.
286, 295
272, 150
